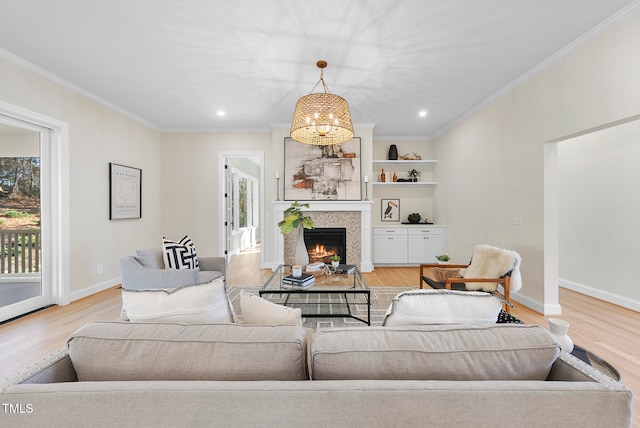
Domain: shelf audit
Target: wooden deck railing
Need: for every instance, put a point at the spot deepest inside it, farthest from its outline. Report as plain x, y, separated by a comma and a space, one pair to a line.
20, 251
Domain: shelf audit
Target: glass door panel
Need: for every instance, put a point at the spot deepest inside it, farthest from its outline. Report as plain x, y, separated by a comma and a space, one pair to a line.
21, 288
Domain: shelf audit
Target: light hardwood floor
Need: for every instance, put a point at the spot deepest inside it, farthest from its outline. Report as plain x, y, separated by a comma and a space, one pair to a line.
607, 330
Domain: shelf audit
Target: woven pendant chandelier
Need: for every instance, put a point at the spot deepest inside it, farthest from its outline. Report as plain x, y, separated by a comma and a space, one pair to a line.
321, 119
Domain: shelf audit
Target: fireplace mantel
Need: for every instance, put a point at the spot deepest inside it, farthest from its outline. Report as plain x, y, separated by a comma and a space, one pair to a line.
363, 207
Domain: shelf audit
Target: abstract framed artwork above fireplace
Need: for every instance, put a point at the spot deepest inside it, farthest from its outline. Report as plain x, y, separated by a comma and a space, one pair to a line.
329, 173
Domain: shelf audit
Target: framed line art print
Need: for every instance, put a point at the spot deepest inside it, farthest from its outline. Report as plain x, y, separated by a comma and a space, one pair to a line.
125, 192
322, 173
390, 209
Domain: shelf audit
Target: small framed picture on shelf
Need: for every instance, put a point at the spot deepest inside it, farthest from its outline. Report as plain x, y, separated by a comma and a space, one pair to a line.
390, 209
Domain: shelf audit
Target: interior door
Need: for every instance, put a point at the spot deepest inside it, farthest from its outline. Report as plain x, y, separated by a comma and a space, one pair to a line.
21, 247
228, 201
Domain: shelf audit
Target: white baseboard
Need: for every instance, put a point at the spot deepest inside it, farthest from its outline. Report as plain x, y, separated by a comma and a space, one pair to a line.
80, 294
544, 309
616, 299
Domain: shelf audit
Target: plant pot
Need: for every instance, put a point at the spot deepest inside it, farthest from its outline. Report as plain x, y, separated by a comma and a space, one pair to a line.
301, 256
335, 264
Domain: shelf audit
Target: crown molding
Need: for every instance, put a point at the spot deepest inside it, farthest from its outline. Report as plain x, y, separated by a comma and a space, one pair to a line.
219, 130
68, 85
599, 29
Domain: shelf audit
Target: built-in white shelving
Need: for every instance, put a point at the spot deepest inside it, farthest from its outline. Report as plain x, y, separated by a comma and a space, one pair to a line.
405, 183
408, 164
404, 162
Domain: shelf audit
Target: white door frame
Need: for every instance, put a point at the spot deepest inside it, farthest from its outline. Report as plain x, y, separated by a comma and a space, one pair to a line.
55, 221
222, 205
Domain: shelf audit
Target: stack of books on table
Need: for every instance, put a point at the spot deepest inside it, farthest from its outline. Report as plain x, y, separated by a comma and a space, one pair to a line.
346, 269
304, 281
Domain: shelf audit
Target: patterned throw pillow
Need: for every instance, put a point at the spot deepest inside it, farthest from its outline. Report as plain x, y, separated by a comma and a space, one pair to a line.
179, 255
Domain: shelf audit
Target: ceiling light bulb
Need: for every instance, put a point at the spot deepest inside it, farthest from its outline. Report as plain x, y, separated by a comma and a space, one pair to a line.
221, 113
423, 113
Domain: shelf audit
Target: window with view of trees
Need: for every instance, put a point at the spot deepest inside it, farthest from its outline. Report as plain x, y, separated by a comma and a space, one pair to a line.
20, 214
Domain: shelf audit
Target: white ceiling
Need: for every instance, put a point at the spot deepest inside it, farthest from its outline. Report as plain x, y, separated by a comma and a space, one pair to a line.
175, 63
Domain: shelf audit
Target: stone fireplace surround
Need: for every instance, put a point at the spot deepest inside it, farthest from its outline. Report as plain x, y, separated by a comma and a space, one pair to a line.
354, 215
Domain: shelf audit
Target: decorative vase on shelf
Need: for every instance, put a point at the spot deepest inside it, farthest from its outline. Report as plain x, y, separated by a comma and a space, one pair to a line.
301, 256
559, 330
393, 152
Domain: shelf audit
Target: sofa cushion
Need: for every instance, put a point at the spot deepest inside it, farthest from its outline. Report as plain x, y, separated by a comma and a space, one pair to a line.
150, 258
205, 302
443, 307
256, 310
439, 352
179, 255
116, 350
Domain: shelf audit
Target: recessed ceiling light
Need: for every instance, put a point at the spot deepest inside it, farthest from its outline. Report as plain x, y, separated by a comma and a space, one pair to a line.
423, 113
221, 113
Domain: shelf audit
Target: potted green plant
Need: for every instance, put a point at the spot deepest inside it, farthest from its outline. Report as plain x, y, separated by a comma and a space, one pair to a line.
335, 260
414, 217
294, 219
443, 258
414, 174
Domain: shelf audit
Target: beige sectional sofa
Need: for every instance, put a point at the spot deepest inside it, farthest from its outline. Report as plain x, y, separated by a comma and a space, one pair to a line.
233, 375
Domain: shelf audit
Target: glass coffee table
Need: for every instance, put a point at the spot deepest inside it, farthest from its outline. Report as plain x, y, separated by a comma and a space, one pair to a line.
333, 295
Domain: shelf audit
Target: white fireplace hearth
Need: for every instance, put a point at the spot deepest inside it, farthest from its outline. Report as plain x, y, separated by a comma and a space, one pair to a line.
354, 215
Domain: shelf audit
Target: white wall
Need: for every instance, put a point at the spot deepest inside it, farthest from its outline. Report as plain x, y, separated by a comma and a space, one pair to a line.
97, 136
599, 176
191, 182
492, 165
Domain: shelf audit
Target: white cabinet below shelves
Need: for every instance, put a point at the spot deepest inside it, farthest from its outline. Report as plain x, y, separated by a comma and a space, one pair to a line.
425, 245
389, 245
408, 245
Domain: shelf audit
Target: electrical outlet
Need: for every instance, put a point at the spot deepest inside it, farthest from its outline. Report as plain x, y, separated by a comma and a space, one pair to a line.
517, 219
99, 269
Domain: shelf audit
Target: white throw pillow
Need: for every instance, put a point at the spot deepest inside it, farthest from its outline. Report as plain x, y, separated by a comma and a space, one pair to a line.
206, 302
443, 307
179, 255
256, 310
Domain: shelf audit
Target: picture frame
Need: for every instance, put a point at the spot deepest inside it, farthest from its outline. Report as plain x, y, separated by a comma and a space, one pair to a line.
125, 192
313, 173
390, 209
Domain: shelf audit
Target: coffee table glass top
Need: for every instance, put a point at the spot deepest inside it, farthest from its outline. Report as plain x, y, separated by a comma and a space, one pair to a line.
325, 283
332, 295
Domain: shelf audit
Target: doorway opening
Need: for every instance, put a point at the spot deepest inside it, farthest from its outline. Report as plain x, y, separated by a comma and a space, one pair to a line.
34, 156
243, 208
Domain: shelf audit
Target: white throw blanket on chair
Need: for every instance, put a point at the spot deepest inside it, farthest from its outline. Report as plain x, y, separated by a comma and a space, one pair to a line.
493, 262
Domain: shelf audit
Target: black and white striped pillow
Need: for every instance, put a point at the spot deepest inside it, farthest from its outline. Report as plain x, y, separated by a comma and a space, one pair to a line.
179, 255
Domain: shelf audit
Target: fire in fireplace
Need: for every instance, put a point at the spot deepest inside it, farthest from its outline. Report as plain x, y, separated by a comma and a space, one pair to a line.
322, 243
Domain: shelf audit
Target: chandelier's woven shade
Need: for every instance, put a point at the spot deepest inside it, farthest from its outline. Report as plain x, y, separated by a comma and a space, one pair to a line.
322, 119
